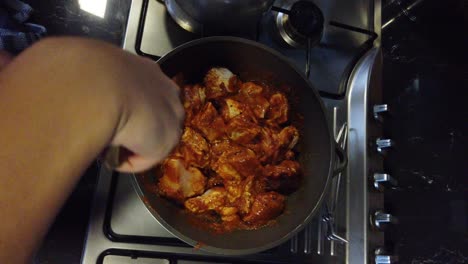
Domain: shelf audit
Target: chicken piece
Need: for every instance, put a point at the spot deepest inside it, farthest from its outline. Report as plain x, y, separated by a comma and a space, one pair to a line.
235, 163
213, 199
267, 147
209, 122
214, 181
242, 131
265, 207
226, 171
218, 147
232, 108
252, 94
259, 105
283, 178
229, 214
250, 88
288, 137
289, 155
219, 81
244, 202
228, 210
278, 112
178, 182
193, 97
287, 168
234, 190
194, 148
240, 192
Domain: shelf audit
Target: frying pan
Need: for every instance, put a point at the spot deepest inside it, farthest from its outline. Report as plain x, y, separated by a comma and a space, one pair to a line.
317, 148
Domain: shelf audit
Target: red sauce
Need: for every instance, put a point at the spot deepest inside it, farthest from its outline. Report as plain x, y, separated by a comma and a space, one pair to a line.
236, 160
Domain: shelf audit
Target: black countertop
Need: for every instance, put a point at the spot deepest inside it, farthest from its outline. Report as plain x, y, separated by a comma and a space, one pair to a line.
425, 78
425, 75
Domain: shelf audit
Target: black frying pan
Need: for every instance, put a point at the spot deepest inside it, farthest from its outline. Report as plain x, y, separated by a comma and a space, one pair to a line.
253, 61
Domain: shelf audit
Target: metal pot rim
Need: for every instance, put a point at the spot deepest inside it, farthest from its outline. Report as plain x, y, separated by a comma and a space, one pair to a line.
332, 144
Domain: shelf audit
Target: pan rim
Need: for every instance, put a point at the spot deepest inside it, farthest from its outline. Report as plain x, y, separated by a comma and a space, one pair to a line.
312, 213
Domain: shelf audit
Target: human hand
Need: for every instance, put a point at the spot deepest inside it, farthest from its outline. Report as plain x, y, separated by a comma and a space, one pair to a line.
64, 100
150, 125
151, 113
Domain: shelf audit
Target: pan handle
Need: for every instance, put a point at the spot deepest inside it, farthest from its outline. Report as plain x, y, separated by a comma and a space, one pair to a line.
343, 160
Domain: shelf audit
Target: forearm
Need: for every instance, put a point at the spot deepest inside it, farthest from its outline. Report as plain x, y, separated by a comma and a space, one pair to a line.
58, 112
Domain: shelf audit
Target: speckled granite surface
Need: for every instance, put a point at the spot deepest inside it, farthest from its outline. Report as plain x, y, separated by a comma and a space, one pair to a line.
425, 78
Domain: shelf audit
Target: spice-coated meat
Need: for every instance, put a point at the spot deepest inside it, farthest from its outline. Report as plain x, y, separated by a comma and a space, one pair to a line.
237, 159
279, 109
194, 148
209, 122
219, 81
266, 206
179, 182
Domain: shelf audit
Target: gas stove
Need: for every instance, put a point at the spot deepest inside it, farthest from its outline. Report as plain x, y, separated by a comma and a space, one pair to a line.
343, 61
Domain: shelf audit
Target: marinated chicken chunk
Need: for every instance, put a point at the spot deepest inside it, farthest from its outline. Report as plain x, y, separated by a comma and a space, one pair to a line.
288, 137
209, 122
286, 168
253, 95
266, 206
194, 148
242, 131
229, 214
236, 160
267, 147
219, 81
194, 98
279, 109
236, 163
282, 178
178, 182
235, 109
240, 192
218, 147
213, 199
244, 202
250, 88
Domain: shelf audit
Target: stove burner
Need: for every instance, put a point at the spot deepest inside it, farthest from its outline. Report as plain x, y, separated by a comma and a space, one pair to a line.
299, 22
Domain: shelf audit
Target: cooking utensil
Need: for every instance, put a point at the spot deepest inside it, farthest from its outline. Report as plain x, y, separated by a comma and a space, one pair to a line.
253, 61
217, 15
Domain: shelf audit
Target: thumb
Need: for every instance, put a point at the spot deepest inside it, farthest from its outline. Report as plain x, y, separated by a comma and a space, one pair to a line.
124, 160
137, 163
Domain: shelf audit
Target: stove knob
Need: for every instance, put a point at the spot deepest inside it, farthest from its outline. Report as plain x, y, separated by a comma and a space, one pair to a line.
379, 110
383, 143
381, 219
382, 258
383, 179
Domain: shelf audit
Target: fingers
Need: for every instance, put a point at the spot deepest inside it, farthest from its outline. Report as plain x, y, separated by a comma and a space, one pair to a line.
137, 164
154, 122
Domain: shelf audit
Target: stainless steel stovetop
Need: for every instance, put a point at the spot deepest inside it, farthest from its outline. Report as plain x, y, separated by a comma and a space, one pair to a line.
345, 68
